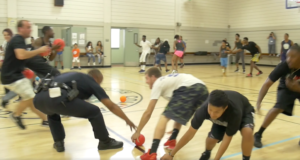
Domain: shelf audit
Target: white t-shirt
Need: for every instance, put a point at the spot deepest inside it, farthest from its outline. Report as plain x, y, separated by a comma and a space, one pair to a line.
3, 47
164, 86
146, 46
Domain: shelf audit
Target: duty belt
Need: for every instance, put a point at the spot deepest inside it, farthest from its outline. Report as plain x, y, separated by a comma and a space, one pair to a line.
48, 82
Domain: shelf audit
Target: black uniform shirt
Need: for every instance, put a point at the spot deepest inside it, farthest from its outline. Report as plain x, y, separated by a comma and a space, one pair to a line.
86, 85
232, 118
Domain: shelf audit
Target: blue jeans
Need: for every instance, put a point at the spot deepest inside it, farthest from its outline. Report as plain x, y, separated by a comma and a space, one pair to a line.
90, 55
160, 57
224, 62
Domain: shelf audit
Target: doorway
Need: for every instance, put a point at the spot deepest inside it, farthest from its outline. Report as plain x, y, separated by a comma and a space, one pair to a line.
117, 45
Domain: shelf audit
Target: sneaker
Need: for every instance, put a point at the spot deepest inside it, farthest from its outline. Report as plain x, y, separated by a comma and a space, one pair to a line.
18, 100
72, 68
79, 68
174, 71
17, 121
257, 140
59, 146
94, 63
237, 70
170, 144
148, 156
45, 124
62, 67
249, 75
182, 65
205, 156
244, 71
167, 70
4, 104
111, 144
142, 71
259, 73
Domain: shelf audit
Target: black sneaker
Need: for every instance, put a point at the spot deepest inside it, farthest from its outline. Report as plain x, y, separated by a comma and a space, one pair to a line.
4, 104
167, 70
45, 124
205, 156
18, 100
257, 140
111, 144
62, 67
17, 121
236, 70
59, 146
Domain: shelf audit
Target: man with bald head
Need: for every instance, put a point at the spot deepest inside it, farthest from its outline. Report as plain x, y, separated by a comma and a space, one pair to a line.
87, 85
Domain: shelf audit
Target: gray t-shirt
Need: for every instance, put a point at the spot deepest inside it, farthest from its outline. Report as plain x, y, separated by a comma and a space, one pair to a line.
238, 44
271, 40
223, 53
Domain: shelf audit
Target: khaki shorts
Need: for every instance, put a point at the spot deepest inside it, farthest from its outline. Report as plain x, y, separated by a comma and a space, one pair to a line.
23, 88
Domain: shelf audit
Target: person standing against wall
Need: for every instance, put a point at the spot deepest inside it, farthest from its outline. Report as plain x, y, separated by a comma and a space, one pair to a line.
272, 42
146, 48
59, 58
181, 59
286, 44
89, 52
239, 55
76, 55
99, 51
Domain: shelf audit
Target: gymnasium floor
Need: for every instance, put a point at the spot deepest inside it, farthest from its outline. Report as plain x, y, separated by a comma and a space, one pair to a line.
35, 143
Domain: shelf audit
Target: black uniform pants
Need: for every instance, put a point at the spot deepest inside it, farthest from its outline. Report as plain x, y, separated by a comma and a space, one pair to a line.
53, 107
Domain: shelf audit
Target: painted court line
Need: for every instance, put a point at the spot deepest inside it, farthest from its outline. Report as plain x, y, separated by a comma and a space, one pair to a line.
268, 145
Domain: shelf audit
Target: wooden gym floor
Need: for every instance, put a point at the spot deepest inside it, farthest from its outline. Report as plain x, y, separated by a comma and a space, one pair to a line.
35, 143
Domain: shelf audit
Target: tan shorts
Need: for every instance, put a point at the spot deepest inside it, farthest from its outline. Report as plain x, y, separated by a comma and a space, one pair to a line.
23, 88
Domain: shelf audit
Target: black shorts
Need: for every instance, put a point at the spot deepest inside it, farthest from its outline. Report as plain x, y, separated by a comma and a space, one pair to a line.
185, 101
286, 100
41, 67
218, 131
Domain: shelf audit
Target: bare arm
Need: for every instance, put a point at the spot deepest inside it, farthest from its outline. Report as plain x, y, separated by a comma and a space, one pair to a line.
292, 43
117, 111
97, 50
234, 46
184, 47
263, 91
228, 50
273, 37
22, 54
223, 147
146, 116
174, 46
259, 50
138, 45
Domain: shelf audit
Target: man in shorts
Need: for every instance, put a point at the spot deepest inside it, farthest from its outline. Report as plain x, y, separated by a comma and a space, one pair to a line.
185, 94
146, 48
255, 51
59, 58
13, 66
287, 92
229, 112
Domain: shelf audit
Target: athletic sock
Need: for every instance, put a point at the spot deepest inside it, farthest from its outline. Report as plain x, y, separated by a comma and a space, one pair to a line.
246, 157
143, 67
208, 151
154, 146
261, 130
174, 134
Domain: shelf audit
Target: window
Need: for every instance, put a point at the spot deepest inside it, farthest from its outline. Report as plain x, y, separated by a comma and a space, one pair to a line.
115, 38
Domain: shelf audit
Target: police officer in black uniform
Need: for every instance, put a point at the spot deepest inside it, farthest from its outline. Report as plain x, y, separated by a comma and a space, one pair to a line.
66, 95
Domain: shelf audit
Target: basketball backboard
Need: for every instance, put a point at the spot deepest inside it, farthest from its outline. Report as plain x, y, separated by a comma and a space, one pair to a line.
291, 4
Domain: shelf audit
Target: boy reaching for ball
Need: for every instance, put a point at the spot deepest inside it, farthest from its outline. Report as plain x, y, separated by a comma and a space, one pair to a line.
229, 111
185, 94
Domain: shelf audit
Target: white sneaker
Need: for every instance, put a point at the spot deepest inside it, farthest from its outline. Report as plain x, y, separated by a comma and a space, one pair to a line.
88, 64
174, 71
94, 63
